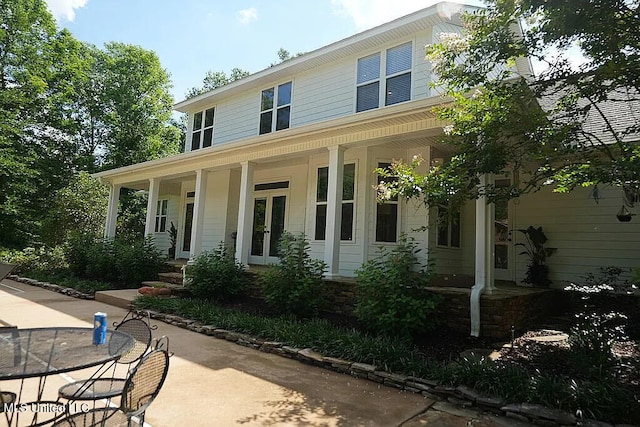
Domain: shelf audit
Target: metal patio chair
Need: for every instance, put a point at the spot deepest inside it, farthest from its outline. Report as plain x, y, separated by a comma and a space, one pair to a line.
140, 389
102, 386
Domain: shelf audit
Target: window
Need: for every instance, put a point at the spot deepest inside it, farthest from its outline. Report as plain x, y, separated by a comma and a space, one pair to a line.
386, 216
448, 228
202, 131
348, 194
397, 82
161, 216
275, 108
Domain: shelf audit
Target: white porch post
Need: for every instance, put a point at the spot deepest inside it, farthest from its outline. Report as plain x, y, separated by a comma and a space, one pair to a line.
334, 211
243, 238
484, 278
152, 206
112, 212
198, 214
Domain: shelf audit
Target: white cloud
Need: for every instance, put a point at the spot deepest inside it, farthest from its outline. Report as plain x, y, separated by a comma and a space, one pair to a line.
65, 9
369, 13
247, 16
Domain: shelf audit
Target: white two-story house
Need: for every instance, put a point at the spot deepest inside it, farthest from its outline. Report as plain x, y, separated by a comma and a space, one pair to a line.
293, 147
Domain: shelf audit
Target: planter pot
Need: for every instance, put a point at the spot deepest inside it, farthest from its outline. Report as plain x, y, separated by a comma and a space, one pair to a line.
172, 253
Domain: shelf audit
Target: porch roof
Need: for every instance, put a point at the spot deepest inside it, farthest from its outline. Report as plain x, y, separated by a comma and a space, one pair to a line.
407, 125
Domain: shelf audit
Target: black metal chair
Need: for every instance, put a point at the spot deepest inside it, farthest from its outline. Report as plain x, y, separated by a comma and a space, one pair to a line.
105, 387
140, 389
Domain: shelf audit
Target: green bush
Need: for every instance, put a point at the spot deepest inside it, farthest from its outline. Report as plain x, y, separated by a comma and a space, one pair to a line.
216, 275
390, 292
50, 259
294, 286
137, 261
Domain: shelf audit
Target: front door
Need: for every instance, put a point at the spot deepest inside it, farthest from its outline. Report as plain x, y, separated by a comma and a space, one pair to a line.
185, 247
268, 225
503, 245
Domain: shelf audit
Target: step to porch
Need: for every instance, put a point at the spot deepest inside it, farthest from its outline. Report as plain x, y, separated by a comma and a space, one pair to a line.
118, 298
172, 277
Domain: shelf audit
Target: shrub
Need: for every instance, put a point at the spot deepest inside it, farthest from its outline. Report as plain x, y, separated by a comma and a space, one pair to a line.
76, 251
390, 291
216, 275
294, 286
50, 259
137, 261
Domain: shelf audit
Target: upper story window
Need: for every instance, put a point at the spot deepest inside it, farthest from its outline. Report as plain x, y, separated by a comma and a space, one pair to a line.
348, 194
275, 108
395, 87
202, 130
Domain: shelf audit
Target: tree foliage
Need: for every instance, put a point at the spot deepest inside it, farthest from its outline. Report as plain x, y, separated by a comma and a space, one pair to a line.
573, 124
214, 79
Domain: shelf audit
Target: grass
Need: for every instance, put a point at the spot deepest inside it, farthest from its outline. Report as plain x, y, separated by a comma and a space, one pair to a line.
605, 400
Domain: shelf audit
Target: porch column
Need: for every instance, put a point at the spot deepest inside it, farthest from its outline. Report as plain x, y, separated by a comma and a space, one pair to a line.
112, 211
198, 214
243, 238
484, 278
334, 211
152, 206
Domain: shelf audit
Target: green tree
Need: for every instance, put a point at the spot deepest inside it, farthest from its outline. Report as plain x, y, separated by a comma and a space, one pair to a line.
215, 79
534, 127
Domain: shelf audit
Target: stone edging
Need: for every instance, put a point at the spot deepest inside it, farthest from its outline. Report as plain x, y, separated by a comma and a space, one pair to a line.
51, 287
461, 396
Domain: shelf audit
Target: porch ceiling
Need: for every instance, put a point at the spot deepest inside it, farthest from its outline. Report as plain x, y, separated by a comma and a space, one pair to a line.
405, 125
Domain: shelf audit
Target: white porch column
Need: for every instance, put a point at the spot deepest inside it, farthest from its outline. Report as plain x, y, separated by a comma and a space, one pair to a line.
243, 238
484, 278
152, 206
198, 214
334, 211
112, 212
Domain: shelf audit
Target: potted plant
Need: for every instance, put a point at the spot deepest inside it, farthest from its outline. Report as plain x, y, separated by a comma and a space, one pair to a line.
173, 238
534, 247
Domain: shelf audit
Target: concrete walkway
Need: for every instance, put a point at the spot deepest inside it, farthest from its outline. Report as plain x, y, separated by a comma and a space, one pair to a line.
212, 382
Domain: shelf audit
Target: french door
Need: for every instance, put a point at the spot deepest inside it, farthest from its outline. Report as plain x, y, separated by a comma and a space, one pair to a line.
503, 244
269, 220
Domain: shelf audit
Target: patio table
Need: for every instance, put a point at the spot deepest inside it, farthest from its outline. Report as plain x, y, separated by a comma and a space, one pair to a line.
40, 352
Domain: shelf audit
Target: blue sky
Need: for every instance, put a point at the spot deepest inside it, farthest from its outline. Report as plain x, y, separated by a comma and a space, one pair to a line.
193, 36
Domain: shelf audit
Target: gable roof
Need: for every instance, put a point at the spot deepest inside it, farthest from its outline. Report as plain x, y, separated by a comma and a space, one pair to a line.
402, 27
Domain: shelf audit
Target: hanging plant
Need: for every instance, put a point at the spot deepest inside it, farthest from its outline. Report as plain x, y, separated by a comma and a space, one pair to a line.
534, 247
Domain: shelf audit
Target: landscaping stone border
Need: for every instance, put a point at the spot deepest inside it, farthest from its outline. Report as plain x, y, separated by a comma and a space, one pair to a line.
462, 396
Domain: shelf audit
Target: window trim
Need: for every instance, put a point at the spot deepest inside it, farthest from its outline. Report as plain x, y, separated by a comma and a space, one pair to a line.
162, 206
383, 77
378, 163
275, 108
449, 229
353, 201
203, 128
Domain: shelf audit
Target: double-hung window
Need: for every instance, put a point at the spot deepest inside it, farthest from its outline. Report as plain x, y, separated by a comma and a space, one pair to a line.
386, 215
202, 130
275, 108
448, 228
348, 194
161, 216
396, 84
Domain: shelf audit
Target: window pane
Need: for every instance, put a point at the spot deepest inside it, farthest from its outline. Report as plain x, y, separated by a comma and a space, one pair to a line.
259, 216
455, 231
367, 97
348, 181
321, 221
163, 210
163, 224
271, 186
380, 179
346, 232
208, 118
197, 121
157, 227
195, 141
398, 89
265, 122
267, 100
277, 223
323, 183
284, 94
443, 235
188, 222
386, 222
207, 138
399, 59
282, 121
158, 207
369, 68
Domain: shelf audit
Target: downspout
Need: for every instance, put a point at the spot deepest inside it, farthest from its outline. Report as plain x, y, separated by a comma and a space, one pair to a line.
484, 256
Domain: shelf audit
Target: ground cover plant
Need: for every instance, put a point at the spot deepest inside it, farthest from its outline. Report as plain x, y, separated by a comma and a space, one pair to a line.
610, 397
